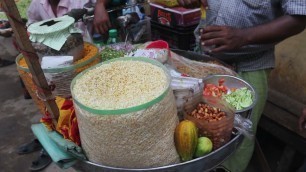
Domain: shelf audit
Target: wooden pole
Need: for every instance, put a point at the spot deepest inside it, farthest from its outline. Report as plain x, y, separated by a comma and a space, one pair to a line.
31, 57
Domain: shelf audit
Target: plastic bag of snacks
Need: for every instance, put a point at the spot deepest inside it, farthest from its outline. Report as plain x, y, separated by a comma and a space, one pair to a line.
160, 55
184, 88
213, 117
199, 69
157, 50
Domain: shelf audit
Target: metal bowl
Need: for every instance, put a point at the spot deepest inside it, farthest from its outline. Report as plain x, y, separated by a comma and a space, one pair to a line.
233, 82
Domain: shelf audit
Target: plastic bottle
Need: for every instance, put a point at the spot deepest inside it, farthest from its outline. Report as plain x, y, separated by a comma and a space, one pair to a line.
112, 36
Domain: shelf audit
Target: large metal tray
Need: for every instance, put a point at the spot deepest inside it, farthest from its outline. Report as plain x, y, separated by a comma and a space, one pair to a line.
202, 164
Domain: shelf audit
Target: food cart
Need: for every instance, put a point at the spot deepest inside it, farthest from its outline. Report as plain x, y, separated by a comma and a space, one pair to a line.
202, 164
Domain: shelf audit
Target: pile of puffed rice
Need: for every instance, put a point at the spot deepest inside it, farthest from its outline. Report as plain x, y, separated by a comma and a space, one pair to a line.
120, 84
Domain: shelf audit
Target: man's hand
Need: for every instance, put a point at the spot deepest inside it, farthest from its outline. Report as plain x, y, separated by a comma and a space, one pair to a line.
101, 21
302, 120
192, 3
224, 38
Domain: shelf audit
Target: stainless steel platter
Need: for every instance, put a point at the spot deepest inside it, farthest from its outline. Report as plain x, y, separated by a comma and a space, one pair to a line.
201, 164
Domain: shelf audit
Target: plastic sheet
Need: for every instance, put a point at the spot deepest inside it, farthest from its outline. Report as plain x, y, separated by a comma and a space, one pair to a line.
198, 69
244, 126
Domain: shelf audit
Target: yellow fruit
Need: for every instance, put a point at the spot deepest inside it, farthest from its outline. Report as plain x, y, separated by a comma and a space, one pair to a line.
186, 139
204, 146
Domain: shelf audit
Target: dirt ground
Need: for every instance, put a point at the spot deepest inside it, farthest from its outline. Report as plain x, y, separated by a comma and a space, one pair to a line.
16, 117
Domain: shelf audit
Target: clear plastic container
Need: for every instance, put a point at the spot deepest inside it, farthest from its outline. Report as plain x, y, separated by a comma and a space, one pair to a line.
218, 131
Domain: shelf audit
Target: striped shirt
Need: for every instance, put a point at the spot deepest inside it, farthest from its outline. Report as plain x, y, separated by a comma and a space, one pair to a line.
249, 13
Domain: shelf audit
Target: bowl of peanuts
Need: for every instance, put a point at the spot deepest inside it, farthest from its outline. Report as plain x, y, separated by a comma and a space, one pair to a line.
213, 117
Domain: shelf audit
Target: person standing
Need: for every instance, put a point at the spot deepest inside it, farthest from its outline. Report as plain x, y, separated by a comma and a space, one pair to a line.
243, 33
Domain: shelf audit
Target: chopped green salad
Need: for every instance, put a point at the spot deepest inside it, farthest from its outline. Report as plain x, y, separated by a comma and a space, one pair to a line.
240, 98
109, 53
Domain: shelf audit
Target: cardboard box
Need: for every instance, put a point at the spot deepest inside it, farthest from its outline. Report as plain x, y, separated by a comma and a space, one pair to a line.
176, 16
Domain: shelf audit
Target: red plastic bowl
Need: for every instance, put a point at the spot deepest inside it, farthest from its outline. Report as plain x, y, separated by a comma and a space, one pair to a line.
158, 44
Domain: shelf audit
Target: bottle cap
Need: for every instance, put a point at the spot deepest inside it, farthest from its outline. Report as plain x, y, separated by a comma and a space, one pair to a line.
96, 36
112, 33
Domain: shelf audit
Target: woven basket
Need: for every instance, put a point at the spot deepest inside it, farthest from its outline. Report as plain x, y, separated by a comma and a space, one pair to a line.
135, 137
64, 76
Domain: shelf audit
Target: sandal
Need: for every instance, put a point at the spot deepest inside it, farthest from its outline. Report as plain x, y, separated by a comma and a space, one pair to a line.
42, 162
29, 147
4, 63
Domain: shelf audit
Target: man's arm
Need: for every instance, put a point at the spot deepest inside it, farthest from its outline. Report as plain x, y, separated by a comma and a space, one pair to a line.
228, 38
101, 19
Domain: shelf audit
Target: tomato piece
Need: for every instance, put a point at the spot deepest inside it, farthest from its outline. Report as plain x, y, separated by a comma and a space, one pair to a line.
215, 90
223, 88
221, 81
